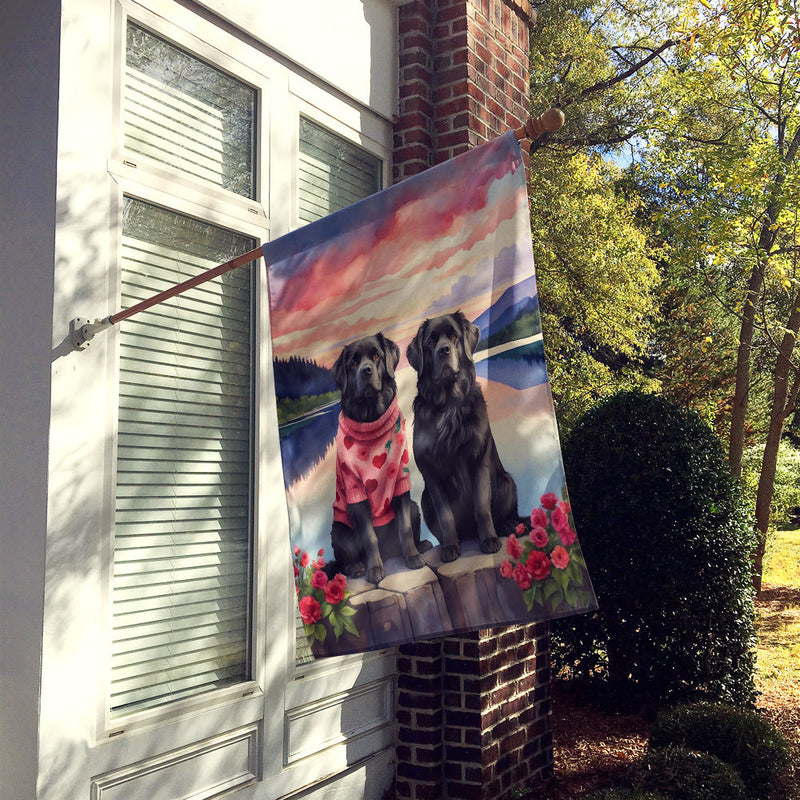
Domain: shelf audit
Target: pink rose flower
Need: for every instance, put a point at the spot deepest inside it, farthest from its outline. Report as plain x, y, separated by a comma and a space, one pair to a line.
559, 557
565, 507
296, 550
559, 519
319, 579
513, 547
520, 529
567, 536
522, 576
538, 518
506, 570
296, 571
538, 565
304, 559
321, 552
335, 588
548, 500
310, 610
539, 536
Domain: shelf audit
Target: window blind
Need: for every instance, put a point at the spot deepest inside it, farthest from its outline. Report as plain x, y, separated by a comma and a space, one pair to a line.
182, 541
187, 114
333, 172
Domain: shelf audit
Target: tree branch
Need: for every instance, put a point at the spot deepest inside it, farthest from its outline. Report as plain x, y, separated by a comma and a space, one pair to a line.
601, 86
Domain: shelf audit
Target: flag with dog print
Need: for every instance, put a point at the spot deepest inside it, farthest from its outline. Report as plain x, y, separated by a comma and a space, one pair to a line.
421, 461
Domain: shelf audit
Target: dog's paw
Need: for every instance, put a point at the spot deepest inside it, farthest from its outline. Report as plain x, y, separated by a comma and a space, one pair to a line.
451, 552
490, 545
355, 570
424, 546
376, 574
415, 562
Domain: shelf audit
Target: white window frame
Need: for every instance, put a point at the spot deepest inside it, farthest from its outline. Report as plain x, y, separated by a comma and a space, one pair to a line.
280, 694
137, 177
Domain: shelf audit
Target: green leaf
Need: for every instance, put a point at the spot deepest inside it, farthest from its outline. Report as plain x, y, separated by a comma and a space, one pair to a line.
350, 626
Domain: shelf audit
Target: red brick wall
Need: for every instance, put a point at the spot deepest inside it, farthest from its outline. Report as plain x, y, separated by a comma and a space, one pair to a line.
463, 77
473, 711
473, 714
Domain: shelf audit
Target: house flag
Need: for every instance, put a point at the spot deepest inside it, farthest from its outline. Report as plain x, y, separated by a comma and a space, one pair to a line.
421, 461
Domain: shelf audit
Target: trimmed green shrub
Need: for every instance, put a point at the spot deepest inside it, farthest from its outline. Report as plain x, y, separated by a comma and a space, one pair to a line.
683, 774
667, 541
741, 738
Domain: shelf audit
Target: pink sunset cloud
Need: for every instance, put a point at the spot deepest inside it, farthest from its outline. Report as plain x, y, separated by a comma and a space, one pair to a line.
384, 273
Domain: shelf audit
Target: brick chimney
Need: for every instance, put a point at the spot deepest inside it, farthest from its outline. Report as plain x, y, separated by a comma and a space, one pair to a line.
473, 711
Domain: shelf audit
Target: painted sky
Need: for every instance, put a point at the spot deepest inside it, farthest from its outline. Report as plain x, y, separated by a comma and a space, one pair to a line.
455, 236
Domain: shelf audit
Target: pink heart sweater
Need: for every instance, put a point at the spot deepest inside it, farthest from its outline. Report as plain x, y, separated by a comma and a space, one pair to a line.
371, 464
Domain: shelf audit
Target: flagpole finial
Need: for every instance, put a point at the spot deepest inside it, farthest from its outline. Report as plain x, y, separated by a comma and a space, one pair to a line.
534, 127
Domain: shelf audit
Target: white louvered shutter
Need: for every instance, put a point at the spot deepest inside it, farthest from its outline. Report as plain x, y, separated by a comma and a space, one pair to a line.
182, 544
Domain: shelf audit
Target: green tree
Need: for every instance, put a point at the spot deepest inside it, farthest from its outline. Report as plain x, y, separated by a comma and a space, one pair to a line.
725, 150
598, 279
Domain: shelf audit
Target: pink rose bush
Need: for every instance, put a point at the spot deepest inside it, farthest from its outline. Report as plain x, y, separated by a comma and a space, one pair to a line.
547, 564
321, 599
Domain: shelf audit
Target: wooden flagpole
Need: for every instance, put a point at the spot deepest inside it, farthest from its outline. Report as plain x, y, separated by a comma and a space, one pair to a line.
82, 331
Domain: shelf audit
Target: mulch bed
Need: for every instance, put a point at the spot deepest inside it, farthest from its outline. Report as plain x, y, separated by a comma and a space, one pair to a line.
593, 747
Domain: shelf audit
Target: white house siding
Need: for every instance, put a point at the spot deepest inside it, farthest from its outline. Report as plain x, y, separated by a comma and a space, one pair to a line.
28, 107
325, 731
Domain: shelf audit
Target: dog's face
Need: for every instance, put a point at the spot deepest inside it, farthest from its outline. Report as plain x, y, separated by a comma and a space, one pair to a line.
364, 372
443, 347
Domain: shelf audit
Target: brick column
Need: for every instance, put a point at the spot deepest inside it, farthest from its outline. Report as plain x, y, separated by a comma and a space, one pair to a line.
420, 720
473, 714
473, 711
463, 77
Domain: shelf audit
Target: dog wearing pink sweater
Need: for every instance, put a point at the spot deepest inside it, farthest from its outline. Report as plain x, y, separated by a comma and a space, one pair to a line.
374, 517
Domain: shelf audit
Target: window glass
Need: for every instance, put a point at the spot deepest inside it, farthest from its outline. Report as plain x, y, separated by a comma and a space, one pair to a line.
185, 113
183, 541
333, 172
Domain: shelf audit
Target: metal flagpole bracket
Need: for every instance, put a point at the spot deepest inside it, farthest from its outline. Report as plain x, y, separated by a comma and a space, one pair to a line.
82, 331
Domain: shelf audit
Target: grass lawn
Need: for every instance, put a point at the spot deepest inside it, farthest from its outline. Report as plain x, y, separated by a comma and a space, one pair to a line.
778, 629
779, 617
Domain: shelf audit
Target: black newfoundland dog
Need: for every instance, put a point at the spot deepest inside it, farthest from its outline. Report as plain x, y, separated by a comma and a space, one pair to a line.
468, 493
374, 515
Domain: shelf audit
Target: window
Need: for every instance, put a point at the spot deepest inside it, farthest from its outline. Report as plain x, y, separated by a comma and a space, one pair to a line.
185, 500
183, 532
333, 172
185, 113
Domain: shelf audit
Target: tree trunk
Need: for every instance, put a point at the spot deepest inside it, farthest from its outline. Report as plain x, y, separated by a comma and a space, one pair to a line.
784, 398
766, 240
742, 388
